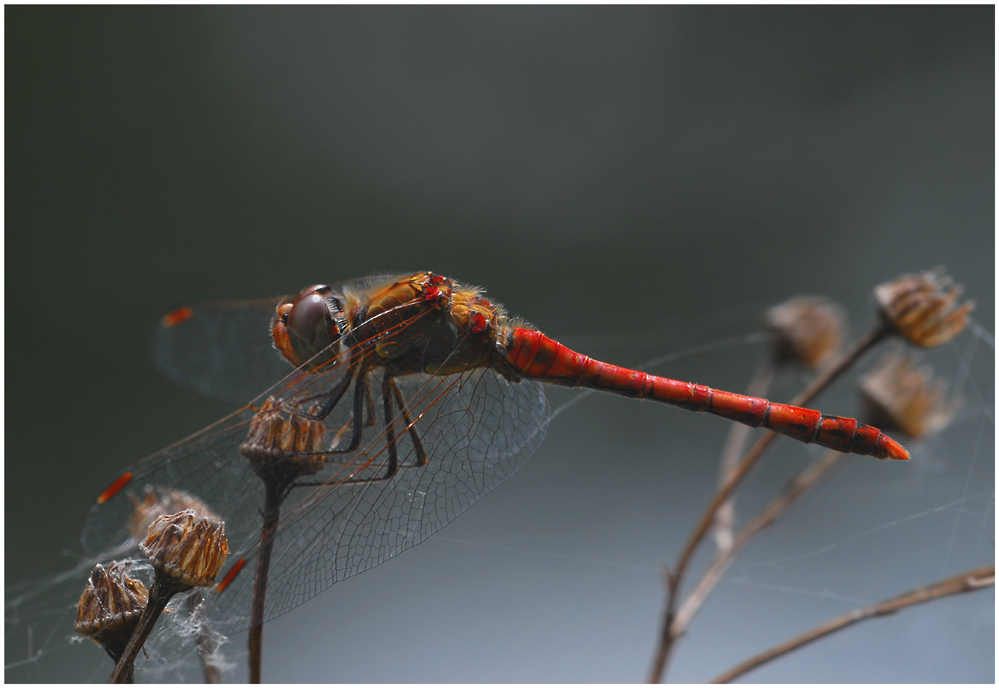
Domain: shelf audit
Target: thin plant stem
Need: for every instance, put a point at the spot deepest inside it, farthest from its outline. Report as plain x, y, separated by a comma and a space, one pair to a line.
802, 483
969, 581
763, 378
278, 448
163, 589
272, 510
675, 577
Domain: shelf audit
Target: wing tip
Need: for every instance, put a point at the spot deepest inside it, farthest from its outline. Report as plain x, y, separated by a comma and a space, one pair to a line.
177, 316
114, 488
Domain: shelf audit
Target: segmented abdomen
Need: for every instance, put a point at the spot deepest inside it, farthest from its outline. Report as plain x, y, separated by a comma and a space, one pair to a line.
536, 356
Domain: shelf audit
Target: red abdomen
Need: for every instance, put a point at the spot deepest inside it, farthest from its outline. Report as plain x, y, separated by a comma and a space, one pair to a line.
536, 356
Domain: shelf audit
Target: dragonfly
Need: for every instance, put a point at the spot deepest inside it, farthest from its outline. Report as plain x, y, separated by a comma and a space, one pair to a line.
398, 402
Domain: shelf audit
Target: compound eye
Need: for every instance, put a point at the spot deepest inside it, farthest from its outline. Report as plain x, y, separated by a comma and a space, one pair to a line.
307, 316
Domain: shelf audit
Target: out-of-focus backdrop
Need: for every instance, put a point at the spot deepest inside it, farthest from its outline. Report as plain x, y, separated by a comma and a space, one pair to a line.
633, 181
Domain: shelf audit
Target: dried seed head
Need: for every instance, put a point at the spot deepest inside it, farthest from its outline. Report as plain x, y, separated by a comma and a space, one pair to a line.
160, 501
923, 308
282, 445
897, 394
189, 549
807, 330
110, 606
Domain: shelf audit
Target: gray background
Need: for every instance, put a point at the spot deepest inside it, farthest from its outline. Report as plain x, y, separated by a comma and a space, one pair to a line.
633, 181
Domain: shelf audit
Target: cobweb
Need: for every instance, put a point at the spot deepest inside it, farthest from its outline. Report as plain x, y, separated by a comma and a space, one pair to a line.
568, 586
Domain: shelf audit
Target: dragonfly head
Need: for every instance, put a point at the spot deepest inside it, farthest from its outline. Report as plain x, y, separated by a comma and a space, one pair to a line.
307, 327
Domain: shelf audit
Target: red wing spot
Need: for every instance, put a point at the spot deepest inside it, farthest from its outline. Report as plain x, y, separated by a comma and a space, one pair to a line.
113, 489
231, 576
174, 318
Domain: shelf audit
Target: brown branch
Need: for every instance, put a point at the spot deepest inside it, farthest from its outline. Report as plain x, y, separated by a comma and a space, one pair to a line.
802, 483
759, 386
838, 367
163, 589
968, 581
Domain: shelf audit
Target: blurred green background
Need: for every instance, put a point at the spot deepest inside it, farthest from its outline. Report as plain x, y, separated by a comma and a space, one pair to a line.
633, 181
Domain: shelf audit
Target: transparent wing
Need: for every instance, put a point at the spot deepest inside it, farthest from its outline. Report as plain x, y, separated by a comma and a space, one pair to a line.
221, 349
207, 466
224, 349
476, 429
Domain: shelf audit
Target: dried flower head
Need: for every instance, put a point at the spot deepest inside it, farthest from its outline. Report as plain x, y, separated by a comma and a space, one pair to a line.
282, 445
897, 394
110, 606
807, 330
161, 501
187, 548
923, 308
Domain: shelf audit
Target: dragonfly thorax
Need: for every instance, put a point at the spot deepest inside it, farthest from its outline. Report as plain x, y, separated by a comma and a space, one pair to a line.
425, 323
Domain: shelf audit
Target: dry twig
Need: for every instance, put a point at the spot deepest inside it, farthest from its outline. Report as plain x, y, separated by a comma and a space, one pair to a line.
922, 309
806, 331
669, 634
968, 581
796, 488
724, 524
186, 552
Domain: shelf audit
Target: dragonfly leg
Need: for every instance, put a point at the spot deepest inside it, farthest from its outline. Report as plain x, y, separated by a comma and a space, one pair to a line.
331, 401
390, 390
362, 390
370, 418
414, 434
357, 416
393, 454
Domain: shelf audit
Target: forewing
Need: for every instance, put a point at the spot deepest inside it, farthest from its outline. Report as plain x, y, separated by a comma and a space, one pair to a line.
222, 349
208, 466
225, 349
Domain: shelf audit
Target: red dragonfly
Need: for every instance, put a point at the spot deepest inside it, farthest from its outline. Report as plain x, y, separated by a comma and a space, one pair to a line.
410, 398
